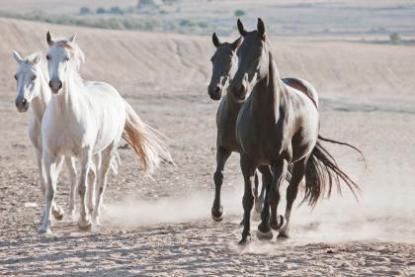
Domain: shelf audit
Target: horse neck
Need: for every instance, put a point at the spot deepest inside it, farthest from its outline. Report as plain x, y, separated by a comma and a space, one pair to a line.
40, 102
266, 98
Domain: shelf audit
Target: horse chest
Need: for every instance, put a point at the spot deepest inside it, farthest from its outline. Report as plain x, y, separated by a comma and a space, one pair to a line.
261, 142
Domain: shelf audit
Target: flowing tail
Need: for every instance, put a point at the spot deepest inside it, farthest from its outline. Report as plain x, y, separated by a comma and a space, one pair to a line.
344, 144
145, 141
322, 172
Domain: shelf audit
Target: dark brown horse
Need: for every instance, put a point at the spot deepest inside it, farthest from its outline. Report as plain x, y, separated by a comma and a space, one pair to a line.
277, 126
224, 63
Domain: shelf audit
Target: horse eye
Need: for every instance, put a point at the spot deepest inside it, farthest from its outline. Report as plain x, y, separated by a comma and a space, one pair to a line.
48, 57
15, 77
66, 59
33, 77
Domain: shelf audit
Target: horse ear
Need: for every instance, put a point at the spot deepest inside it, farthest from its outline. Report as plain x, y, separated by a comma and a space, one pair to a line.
72, 38
17, 57
49, 39
241, 28
261, 28
215, 40
235, 45
35, 59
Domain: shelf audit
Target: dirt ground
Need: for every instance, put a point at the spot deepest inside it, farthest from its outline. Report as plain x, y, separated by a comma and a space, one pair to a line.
163, 226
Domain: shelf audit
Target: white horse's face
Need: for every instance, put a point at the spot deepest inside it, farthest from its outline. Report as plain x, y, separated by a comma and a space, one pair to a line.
58, 63
27, 82
63, 56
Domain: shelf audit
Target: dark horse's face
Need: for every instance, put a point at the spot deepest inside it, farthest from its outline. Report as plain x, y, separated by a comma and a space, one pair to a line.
223, 63
253, 60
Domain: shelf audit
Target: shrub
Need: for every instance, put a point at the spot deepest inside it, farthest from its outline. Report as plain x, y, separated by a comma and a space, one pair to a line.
239, 13
84, 11
116, 10
101, 10
395, 38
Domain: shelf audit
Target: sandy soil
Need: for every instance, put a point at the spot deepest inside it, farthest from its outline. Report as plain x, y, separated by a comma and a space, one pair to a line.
163, 226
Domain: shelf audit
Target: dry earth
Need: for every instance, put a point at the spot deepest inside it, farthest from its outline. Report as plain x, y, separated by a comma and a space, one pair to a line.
163, 226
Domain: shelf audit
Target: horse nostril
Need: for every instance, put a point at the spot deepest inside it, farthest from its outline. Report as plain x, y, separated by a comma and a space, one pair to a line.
50, 84
60, 84
24, 102
217, 90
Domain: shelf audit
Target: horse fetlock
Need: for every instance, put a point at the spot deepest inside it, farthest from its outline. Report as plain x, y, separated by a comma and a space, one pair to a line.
44, 228
246, 236
275, 224
217, 213
84, 224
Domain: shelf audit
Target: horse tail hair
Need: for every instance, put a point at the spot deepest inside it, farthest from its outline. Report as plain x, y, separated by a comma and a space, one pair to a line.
344, 144
322, 172
146, 142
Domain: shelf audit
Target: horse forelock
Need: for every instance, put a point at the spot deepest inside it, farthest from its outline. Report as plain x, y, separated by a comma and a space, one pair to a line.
73, 48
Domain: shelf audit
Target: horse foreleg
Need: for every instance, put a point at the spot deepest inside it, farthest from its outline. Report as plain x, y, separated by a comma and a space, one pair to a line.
298, 174
84, 222
70, 164
264, 229
222, 156
279, 171
92, 182
52, 168
248, 170
102, 181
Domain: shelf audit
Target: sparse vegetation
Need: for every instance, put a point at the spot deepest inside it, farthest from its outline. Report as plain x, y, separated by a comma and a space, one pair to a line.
395, 38
100, 10
84, 11
239, 13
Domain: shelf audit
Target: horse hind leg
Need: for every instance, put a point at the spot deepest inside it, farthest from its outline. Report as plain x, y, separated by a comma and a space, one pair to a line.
222, 156
70, 164
298, 174
102, 181
84, 222
279, 171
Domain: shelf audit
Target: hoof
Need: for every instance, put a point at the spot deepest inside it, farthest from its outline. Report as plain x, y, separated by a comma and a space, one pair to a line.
58, 213
275, 225
217, 214
283, 236
264, 235
84, 225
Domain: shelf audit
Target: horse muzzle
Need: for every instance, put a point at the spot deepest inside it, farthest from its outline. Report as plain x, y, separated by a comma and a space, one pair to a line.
55, 86
215, 93
22, 105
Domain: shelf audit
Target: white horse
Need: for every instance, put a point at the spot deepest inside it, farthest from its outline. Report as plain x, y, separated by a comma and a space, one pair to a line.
32, 89
85, 118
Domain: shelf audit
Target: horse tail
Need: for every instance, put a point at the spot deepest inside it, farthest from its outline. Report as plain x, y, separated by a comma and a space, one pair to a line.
146, 142
344, 144
322, 172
